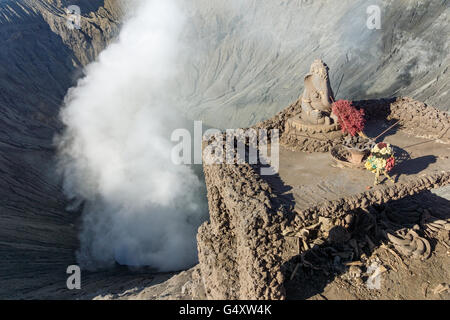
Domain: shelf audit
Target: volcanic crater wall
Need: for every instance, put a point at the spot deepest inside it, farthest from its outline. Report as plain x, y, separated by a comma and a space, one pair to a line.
40, 59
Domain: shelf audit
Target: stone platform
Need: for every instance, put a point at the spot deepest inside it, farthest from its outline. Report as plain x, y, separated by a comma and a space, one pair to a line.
313, 178
246, 245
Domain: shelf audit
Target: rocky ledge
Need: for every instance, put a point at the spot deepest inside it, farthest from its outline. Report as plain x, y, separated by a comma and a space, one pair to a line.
255, 228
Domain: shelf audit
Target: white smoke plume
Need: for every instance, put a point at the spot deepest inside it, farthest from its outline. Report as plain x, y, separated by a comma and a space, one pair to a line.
140, 209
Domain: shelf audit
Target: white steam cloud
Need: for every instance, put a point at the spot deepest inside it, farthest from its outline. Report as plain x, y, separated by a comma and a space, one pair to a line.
140, 209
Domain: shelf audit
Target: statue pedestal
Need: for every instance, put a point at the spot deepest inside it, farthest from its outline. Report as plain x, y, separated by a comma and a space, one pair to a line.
300, 125
301, 135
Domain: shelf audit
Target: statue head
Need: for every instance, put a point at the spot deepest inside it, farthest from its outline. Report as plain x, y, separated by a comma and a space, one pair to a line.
319, 68
317, 87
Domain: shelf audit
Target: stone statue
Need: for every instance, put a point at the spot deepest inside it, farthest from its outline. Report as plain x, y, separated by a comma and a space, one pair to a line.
317, 95
315, 125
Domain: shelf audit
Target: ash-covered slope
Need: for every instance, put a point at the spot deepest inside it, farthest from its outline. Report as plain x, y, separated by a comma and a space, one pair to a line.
40, 58
255, 53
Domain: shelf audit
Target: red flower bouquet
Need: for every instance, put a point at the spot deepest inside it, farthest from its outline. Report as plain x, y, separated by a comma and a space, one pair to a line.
351, 120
